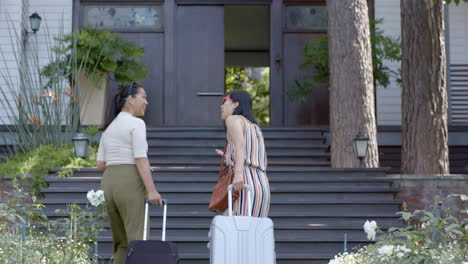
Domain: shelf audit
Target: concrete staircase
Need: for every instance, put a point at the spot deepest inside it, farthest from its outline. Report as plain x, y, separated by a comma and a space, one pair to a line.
312, 204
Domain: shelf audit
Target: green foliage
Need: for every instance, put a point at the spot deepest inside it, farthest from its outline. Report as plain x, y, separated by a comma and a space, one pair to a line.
316, 62
240, 78
90, 130
457, 2
430, 236
96, 51
65, 240
42, 110
36, 163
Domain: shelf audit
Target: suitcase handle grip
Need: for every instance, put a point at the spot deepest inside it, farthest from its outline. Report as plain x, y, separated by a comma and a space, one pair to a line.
145, 227
249, 199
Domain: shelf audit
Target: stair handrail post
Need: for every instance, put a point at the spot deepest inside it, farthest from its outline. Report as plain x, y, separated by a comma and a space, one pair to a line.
345, 242
437, 216
23, 238
96, 254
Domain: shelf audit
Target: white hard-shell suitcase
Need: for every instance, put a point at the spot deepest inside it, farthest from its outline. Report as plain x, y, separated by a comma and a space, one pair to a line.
241, 239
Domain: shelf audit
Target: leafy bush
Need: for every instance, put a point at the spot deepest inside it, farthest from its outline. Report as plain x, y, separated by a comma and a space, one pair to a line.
429, 237
27, 236
240, 78
37, 114
97, 51
36, 163
316, 60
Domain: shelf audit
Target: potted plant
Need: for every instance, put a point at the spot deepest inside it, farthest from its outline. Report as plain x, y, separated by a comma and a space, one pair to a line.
96, 55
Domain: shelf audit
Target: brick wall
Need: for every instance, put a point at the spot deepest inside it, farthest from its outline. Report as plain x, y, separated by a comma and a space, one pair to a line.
418, 191
6, 185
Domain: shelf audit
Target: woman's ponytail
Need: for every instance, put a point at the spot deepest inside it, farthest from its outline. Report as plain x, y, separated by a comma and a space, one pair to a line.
118, 102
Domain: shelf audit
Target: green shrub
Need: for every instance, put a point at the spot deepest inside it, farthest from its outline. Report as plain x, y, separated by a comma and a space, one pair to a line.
36, 163
27, 236
384, 48
429, 237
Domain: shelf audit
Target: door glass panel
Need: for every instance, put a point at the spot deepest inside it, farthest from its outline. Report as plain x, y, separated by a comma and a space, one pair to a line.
313, 17
123, 16
256, 81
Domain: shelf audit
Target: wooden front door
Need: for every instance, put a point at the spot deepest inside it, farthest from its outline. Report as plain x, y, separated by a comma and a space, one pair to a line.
199, 61
153, 43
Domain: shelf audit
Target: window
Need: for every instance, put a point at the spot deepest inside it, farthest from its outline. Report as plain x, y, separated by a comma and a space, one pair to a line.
309, 18
123, 16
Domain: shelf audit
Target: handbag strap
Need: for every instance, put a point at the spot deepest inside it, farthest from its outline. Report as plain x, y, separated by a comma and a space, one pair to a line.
223, 159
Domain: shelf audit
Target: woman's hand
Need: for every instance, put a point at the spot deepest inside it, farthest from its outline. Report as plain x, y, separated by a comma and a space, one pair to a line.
219, 152
238, 181
154, 198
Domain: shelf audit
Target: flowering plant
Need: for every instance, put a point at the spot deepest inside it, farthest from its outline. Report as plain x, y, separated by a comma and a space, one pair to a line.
86, 223
429, 237
95, 198
27, 236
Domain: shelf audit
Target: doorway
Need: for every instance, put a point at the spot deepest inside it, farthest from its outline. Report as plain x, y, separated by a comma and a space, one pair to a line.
247, 55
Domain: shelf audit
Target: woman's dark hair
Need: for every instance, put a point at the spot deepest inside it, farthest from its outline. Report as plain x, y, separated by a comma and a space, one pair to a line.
245, 104
118, 101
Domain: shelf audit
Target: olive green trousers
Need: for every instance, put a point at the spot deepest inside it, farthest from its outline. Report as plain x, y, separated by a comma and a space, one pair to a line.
125, 194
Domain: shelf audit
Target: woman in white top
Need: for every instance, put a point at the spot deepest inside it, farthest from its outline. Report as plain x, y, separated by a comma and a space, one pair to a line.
127, 178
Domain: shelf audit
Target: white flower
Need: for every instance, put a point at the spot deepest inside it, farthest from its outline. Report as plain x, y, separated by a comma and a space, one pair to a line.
403, 249
369, 228
386, 250
95, 198
335, 261
464, 197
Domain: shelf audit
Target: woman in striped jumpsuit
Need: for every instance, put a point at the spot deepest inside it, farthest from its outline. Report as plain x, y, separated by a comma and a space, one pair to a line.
245, 144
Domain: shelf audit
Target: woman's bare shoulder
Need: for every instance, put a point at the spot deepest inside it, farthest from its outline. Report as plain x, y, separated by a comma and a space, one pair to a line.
233, 120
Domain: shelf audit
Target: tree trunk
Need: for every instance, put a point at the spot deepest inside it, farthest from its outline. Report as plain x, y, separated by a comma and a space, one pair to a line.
424, 90
351, 82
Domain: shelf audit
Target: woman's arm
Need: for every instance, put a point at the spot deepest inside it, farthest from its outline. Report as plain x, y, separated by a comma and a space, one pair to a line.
101, 165
235, 130
144, 170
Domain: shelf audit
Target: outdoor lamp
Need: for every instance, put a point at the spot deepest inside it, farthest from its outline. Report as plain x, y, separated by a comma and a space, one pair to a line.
80, 144
360, 143
35, 21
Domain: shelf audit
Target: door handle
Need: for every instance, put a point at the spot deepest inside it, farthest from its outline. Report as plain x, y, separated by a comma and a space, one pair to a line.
209, 94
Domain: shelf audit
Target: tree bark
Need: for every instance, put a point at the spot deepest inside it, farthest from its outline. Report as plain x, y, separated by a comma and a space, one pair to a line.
351, 83
424, 90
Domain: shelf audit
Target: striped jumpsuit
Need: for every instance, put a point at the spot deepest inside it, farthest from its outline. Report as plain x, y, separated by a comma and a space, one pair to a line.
255, 165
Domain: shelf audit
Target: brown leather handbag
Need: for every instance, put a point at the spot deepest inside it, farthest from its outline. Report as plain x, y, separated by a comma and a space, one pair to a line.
219, 198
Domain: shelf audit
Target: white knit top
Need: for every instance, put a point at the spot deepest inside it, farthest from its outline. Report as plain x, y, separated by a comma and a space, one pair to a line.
123, 141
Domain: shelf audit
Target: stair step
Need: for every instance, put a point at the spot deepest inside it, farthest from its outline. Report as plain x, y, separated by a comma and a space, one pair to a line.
287, 186
274, 201
315, 211
281, 161
267, 132
281, 235
218, 143
295, 249
304, 258
173, 153
355, 196
293, 174
273, 189
213, 177
222, 136
283, 223
269, 149
321, 170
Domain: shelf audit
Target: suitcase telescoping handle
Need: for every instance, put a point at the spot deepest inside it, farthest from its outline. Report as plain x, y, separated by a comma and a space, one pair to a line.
249, 199
145, 227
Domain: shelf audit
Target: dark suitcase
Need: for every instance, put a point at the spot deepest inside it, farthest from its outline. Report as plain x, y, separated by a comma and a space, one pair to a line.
152, 251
